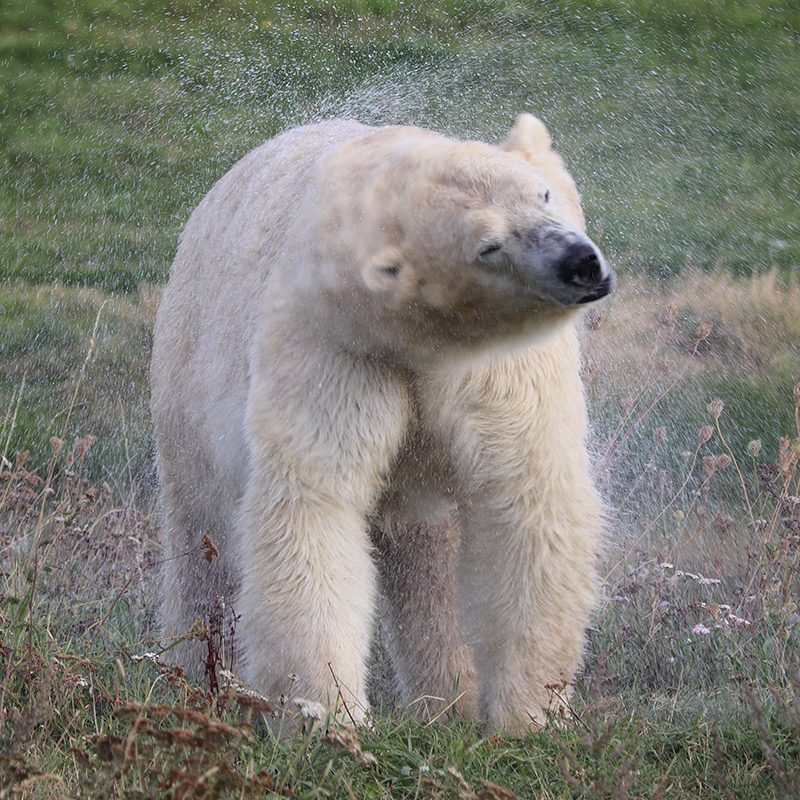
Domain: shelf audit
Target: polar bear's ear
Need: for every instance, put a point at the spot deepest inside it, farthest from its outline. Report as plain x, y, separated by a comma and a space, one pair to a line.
529, 135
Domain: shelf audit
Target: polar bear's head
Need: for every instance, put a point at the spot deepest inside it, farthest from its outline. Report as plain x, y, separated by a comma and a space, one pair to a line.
462, 240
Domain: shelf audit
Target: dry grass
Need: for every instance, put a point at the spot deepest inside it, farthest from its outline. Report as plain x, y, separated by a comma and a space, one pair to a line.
753, 328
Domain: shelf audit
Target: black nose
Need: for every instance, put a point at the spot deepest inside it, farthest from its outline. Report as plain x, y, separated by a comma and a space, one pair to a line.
580, 266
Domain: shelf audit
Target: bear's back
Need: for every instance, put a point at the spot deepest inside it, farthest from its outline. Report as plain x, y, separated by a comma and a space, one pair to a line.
209, 310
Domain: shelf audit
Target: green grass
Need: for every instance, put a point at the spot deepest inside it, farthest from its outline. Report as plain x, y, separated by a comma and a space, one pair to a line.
72, 363
681, 123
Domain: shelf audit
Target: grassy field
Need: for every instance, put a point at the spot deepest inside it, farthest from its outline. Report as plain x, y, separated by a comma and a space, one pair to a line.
681, 123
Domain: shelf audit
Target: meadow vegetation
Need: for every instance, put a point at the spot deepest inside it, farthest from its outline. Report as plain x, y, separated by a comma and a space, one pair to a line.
681, 123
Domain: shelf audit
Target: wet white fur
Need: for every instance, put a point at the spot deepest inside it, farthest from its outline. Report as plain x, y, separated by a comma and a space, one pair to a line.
302, 395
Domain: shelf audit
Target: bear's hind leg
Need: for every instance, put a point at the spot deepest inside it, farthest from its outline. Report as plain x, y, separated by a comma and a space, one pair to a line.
195, 589
418, 539
420, 622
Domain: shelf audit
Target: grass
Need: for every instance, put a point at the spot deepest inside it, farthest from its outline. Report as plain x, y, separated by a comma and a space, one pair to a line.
691, 686
680, 122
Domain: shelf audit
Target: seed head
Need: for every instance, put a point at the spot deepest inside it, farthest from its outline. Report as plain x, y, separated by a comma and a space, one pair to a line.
199, 630
595, 318
704, 434
210, 550
715, 408
704, 331
668, 315
754, 447
709, 465
722, 522
83, 445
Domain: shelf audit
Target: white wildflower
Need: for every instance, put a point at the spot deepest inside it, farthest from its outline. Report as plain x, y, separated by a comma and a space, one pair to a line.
144, 657
701, 579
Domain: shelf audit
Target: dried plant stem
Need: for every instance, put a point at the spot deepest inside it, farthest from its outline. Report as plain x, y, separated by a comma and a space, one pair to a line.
666, 508
632, 490
619, 438
742, 482
82, 373
646, 383
10, 423
149, 565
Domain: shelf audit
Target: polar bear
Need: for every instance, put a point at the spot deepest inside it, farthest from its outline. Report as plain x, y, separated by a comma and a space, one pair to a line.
366, 392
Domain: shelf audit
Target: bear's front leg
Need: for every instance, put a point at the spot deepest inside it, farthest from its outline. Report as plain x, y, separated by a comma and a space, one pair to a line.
323, 429
531, 522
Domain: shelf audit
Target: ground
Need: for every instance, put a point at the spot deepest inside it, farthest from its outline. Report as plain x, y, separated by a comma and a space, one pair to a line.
680, 124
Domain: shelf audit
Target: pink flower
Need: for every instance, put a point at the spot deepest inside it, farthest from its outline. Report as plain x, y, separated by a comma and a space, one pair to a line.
701, 629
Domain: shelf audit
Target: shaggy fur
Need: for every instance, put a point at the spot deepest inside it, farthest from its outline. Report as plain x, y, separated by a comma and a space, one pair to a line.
366, 391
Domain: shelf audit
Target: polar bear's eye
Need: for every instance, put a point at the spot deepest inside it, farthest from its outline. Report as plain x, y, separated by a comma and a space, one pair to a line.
489, 249
547, 196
